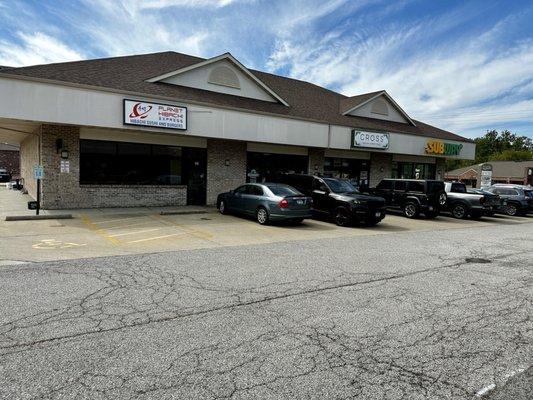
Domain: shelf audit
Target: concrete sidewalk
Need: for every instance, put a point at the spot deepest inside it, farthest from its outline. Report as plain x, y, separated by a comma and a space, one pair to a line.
14, 202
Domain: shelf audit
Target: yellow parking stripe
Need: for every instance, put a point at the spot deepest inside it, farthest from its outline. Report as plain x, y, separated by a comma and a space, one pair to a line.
87, 221
200, 234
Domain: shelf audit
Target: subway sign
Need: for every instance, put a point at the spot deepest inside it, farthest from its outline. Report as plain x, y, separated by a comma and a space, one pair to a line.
442, 148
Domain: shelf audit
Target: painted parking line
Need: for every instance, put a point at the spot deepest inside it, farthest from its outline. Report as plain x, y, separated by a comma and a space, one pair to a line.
108, 228
135, 232
156, 238
191, 231
90, 224
114, 220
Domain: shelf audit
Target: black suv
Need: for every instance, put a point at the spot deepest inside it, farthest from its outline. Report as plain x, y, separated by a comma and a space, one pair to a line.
412, 196
338, 198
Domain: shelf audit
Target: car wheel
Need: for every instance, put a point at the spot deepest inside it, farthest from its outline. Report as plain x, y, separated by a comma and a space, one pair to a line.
261, 215
222, 207
410, 210
342, 217
511, 209
442, 197
459, 211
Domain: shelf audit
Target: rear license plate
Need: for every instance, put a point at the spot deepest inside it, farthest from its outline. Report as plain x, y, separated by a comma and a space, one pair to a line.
299, 202
378, 214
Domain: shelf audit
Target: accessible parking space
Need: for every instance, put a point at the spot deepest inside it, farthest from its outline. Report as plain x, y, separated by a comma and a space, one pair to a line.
107, 232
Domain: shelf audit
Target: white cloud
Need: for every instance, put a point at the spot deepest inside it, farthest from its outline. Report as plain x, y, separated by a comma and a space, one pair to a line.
443, 83
36, 48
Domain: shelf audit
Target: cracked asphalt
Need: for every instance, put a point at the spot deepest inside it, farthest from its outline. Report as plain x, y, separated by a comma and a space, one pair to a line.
409, 315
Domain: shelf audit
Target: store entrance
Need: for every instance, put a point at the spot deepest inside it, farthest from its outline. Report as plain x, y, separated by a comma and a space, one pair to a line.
356, 171
195, 174
266, 167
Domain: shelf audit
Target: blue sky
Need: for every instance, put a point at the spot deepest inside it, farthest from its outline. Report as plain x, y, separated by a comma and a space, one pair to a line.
464, 66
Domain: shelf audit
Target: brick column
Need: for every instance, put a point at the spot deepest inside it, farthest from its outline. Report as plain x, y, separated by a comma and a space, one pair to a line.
222, 177
380, 167
316, 160
60, 190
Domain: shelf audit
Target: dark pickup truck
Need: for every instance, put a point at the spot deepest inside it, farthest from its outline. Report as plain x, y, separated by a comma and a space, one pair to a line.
337, 199
412, 196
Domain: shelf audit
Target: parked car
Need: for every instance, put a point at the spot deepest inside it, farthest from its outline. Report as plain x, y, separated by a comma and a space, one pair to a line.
495, 202
519, 198
4, 175
462, 204
338, 199
412, 196
266, 202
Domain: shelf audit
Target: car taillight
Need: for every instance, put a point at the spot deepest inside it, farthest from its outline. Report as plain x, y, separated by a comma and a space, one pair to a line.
283, 203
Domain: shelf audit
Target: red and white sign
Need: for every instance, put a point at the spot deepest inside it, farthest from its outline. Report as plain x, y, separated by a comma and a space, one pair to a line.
155, 115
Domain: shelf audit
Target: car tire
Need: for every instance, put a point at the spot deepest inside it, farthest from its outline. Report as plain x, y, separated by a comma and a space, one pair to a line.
459, 211
261, 216
222, 207
511, 209
442, 197
411, 210
342, 217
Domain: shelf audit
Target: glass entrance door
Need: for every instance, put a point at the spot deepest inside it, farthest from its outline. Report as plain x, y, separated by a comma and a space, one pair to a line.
195, 174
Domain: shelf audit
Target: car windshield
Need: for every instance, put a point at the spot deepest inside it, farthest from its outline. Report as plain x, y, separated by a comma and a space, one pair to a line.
283, 190
528, 193
340, 186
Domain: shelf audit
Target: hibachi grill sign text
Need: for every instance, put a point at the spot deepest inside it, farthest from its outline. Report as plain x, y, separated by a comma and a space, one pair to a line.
155, 115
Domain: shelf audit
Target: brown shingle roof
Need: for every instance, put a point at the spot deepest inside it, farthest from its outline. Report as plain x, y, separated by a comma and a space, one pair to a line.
306, 100
348, 103
511, 169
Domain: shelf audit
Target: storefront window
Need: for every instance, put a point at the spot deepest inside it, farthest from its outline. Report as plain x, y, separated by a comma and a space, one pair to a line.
266, 167
103, 162
407, 170
353, 170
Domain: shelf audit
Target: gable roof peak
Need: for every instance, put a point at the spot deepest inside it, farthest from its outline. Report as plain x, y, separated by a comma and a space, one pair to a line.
224, 56
349, 104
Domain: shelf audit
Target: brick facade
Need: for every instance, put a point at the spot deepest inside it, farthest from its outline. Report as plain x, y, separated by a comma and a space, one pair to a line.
222, 177
10, 160
316, 161
63, 190
380, 167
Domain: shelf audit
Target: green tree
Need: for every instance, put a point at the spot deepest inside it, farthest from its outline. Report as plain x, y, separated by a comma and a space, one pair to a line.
504, 145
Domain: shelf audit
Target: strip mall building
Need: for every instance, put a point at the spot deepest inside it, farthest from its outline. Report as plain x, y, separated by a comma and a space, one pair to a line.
172, 129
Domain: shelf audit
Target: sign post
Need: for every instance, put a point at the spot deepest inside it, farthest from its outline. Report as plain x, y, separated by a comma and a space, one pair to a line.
38, 172
486, 176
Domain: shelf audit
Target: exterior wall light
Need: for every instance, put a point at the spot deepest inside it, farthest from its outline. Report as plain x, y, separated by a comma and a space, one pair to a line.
64, 154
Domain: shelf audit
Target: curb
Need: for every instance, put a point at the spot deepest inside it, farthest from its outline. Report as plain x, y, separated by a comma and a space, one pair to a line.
183, 212
37, 217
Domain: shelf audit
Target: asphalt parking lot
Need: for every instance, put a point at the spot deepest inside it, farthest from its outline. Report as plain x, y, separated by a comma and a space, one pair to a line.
107, 232
410, 314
